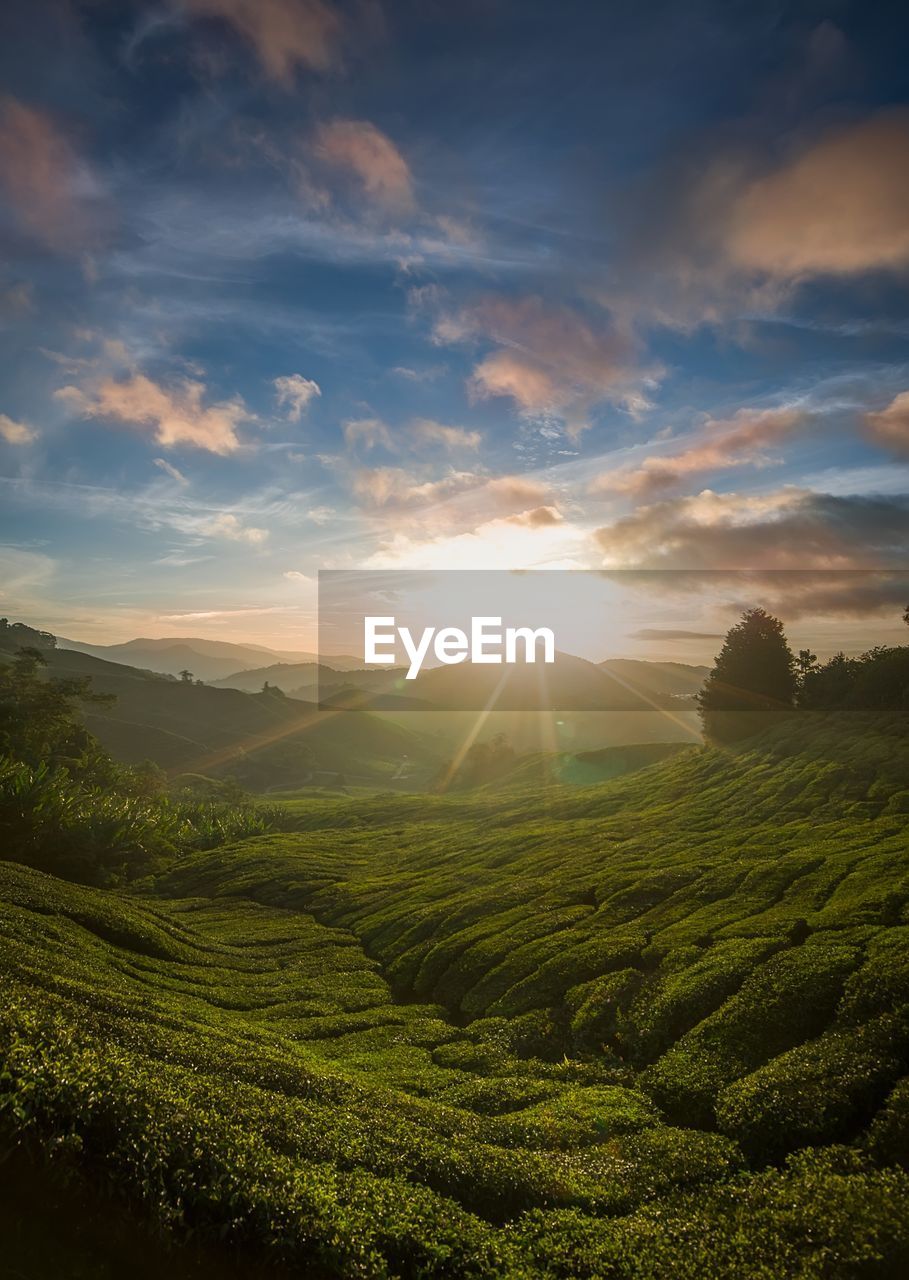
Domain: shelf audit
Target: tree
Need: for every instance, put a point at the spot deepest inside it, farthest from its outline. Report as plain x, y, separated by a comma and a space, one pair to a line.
754, 680
186, 676
39, 717
806, 663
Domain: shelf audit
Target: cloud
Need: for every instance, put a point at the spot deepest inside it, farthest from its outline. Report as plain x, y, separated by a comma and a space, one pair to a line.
285, 34
549, 359
294, 393
789, 529
890, 427
735, 442
370, 158
452, 438
517, 490
16, 432
368, 433
174, 414
672, 633
227, 525
169, 469
394, 486
418, 375
50, 189
737, 231
23, 571
17, 299
501, 543
320, 515
538, 518
838, 207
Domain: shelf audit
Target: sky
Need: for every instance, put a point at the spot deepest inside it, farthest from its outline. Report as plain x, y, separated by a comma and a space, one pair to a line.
290, 285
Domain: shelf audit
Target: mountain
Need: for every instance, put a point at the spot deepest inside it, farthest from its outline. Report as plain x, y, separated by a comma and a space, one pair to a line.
570, 683
309, 679
262, 739
206, 659
658, 679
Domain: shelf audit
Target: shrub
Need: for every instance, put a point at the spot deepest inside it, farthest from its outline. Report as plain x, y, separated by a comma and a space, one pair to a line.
821, 1092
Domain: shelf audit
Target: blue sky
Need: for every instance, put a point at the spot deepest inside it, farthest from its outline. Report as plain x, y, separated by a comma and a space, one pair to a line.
290, 285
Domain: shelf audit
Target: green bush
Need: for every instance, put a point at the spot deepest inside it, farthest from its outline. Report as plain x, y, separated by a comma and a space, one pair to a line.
822, 1092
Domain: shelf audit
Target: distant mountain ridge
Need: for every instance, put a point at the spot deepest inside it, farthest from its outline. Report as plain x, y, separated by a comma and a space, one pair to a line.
570, 683
262, 739
208, 660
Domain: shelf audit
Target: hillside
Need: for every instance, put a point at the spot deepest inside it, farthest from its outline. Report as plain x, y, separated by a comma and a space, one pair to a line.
207, 659
659, 679
620, 684
262, 739
656, 1027
303, 679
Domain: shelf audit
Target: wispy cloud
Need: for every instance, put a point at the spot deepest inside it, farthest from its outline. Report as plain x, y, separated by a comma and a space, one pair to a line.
452, 438
357, 150
367, 433
16, 432
549, 358
721, 445
227, 525
889, 427
51, 189
285, 34
295, 393
170, 470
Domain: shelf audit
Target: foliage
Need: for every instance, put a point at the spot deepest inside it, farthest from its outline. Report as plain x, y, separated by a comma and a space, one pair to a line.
494, 1033
876, 680
753, 679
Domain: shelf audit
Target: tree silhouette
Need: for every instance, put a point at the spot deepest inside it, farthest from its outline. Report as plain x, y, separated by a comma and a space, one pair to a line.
753, 681
186, 676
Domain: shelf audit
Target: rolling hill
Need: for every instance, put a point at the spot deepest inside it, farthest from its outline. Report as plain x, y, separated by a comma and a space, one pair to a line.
261, 739
569, 684
208, 660
653, 1028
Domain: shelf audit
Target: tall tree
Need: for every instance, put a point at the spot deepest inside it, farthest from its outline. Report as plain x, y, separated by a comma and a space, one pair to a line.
754, 679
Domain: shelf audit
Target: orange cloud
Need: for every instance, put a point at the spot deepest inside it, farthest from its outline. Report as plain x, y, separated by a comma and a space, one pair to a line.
549, 359
393, 486
531, 388
788, 529
890, 427
517, 490
44, 181
284, 33
452, 438
16, 432
839, 207
735, 442
175, 415
362, 151
227, 525
538, 518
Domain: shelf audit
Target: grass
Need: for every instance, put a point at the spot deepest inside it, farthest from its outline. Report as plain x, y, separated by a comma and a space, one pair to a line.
656, 1027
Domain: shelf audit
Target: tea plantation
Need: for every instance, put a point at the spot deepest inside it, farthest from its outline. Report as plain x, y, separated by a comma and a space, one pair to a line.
658, 1027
